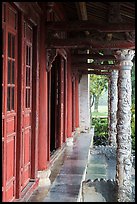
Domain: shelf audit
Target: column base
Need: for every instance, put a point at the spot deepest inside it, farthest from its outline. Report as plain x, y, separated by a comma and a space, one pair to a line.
44, 178
69, 141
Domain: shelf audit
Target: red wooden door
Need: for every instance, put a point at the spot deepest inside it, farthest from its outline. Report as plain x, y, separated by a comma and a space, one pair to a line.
9, 102
27, 108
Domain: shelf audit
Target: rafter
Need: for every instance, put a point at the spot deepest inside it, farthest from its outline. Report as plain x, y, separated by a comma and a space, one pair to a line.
78, 57
88, 43
94, 72
82, 12
90, 26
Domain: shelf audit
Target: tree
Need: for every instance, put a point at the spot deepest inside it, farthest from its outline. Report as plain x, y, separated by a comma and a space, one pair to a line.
98, 83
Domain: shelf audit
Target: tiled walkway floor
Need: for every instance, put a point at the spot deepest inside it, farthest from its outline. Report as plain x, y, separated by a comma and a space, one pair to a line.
67, 185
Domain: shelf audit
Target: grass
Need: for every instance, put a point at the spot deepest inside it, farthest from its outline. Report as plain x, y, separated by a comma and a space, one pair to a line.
102, 111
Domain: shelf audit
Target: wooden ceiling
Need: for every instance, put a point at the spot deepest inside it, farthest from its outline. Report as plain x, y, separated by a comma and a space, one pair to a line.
97, 28
99, 11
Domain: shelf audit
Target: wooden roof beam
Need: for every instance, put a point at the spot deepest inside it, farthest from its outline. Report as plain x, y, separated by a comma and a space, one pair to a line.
89, 26
94, 72
82, 12
88, 43
78, 57
94, 66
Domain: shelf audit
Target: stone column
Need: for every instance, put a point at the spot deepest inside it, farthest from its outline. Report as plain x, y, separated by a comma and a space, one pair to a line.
109, 78
124, 164
84, 103
113, 107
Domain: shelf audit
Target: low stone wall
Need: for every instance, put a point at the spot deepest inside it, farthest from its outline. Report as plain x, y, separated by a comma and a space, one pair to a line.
99, 190
100, 184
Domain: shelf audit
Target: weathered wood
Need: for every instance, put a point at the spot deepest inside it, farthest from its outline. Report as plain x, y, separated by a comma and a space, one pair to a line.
94, 72
90, 26
114, 14
78, 57
51, 54
94, 66
88, 43
82, 12
30, 9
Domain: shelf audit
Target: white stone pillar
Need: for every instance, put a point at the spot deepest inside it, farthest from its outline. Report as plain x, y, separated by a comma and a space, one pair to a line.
109, 78
84, 102
124, 164
113, 107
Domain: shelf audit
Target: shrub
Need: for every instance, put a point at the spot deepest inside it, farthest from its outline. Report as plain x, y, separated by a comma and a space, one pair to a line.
100, 131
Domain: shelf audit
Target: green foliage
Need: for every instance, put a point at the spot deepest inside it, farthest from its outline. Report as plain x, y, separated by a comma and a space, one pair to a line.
133, 83
100, 131
98, 83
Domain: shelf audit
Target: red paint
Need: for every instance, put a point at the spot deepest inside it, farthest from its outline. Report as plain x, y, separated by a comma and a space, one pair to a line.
9, 115
65, 101
43, 103
73, 104
61, 101
69, 97
19, 112
35, 104
77, 101
26, 129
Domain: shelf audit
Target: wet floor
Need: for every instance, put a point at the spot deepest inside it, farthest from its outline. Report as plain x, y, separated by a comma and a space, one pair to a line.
68, 172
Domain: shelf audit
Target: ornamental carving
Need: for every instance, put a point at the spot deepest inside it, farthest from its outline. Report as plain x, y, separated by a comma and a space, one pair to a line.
113, 107
125, 58
51, 54
124, 164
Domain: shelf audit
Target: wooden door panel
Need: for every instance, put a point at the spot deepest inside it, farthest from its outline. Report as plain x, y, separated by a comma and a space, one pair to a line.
10, 192
27, 144
26, 111
9, 101
10, 154
11, 125
10, 165
12, 18
27, 120
26, 157
3, 166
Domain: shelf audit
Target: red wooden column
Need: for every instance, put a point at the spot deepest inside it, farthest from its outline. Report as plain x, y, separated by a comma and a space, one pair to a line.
43, 119
65, 101
76, 101
35, 106
19, 113
73, 103
69, 97
61, 101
